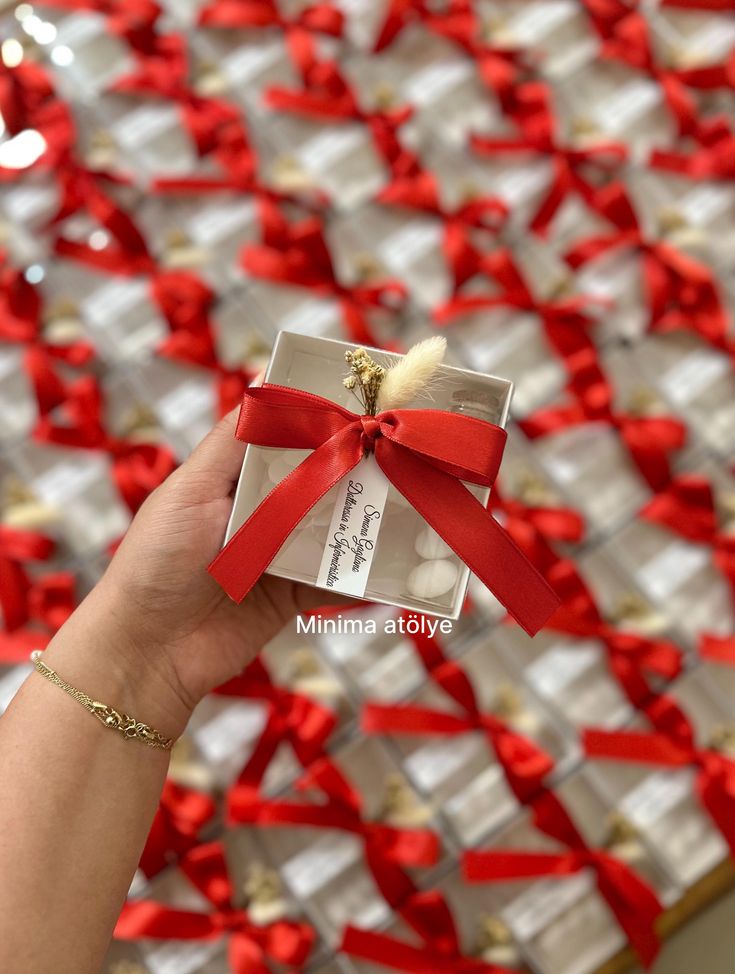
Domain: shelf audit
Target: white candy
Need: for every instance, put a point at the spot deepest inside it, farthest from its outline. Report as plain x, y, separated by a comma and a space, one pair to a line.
432, 579
430, 545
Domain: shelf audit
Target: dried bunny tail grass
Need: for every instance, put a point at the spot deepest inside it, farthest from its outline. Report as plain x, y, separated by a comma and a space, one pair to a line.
412, 374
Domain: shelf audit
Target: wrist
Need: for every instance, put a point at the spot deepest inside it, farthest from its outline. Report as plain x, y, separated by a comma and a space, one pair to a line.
96, 651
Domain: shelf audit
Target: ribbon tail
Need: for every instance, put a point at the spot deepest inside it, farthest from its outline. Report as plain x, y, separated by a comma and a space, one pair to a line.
253, 547
472, 533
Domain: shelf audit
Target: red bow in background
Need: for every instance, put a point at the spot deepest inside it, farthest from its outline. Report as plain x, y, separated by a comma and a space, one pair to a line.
424, 453
439, 952
525, 522
249, 945
633, 902
676, 747
575, 169
682, 293
137, 468
25, 599
564, 319
650, 440
293, 718
524, 763
500, 67
639, 664
420, 191
297, 254
687, 507
388, 850
181, 816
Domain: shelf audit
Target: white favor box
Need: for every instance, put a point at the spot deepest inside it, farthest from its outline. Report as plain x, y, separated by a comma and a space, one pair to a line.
411, 567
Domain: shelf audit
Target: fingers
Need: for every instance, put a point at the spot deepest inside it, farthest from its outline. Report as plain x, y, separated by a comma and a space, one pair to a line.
218, 457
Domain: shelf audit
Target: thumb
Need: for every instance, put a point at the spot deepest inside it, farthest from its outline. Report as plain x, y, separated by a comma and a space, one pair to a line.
220, 454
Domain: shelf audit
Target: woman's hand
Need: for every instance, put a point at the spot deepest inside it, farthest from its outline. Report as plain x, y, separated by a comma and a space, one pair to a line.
168, 622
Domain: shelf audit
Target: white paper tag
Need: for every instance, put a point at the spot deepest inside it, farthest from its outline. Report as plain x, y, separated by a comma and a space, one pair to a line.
353, 530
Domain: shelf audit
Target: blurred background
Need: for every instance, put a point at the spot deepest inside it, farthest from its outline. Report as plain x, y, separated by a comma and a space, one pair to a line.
552, 184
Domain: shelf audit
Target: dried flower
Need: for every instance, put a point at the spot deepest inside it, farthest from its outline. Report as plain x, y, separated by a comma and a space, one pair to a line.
364, 379
412, 375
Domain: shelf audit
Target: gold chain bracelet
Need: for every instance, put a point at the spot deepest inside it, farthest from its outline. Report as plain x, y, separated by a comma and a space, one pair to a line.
129, 727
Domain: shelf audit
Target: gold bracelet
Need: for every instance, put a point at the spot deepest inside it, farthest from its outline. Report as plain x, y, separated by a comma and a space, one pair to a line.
129, 727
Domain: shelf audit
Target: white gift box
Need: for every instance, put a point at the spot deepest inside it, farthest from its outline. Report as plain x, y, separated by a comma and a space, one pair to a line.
408, 565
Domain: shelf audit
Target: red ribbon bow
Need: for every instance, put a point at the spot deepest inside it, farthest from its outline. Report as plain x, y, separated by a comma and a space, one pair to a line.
564, 319
634, 660
424, 453
419, 190
687, 507
524, 763
649, 439
297, 254
22, 598
249, 946
676, 748
527, 522
137, 468
181, 815
633, 902
575, 169
499, 67
682, 293
387, 849
292, 717
440, 952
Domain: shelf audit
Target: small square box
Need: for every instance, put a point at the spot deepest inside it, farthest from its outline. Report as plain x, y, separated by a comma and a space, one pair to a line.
411, 566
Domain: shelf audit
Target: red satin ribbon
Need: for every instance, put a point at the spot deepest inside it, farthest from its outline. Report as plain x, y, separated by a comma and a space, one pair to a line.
297, 254
21, 322
649, 440
575, 170
181, 815
564, 320
424, 453
397, 955
428, 914
715, 782
500, 67
292, 717
682, 293
526, 521
330, 98
717, 649
249, 946
625, 36
687, 507
419, 190
17, 548
387, 849
137, 468
524, 763
638, 663
633, 902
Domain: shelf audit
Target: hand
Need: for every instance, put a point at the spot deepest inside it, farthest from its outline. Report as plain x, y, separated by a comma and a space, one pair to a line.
158, 606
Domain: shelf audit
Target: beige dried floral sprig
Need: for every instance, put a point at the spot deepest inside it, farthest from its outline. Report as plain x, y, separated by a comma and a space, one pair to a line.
364, 379
382, 388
